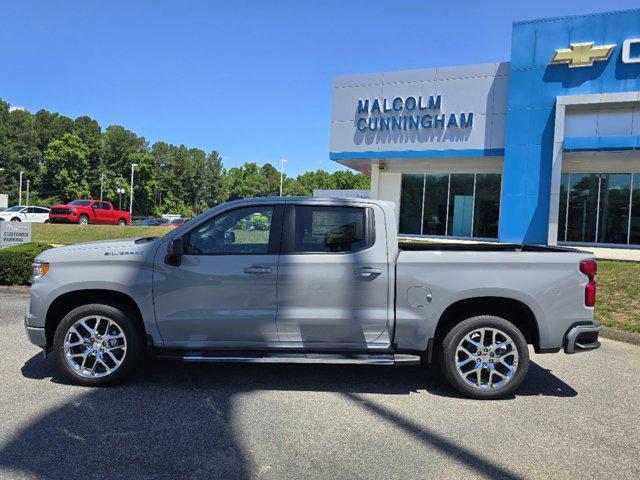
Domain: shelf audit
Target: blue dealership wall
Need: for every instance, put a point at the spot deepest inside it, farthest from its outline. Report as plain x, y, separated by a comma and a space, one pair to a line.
533, 88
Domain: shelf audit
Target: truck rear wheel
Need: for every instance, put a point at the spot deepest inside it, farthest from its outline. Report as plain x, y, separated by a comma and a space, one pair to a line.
83, 220
122, 222
97, 344
484, 357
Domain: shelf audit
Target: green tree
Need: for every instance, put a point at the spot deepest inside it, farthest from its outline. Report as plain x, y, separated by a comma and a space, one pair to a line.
50, 127
118, 144
348, 180
65, 165
91, 135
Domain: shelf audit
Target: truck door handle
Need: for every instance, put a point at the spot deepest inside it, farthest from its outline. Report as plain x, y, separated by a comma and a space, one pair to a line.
367, 271
257, 270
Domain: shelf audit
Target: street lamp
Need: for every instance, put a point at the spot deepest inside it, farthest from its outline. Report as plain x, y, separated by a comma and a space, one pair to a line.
120, 191
20, 194
282, 162
133, 165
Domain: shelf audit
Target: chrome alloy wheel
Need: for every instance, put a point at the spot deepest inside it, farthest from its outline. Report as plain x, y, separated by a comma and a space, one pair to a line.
486, 358
95, 346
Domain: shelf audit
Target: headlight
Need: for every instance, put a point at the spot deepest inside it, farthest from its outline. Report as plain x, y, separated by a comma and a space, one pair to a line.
40, 269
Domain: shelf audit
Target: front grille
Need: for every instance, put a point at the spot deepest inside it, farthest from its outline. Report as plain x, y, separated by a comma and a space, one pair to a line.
61, 211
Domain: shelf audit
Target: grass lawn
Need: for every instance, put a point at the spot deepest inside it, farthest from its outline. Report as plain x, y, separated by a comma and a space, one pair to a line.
66, 234
618, 295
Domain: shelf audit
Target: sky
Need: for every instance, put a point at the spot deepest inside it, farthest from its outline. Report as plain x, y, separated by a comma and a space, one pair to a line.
250, 79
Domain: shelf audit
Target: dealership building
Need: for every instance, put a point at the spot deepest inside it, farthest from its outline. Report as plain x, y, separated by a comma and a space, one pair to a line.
544, 148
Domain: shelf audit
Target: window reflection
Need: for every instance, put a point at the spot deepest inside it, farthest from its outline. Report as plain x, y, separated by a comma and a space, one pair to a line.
453, 204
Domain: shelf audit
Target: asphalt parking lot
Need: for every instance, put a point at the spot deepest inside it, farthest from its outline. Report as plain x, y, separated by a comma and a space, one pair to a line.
575, 417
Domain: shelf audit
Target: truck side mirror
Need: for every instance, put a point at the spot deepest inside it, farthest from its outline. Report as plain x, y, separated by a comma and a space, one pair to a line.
229, 237
174, 252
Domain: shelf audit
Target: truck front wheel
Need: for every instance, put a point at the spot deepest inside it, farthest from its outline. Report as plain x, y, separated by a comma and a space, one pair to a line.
83, 220
484, 357
97, 344
122, 222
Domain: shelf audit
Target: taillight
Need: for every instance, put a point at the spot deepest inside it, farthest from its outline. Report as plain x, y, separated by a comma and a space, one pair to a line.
589, 268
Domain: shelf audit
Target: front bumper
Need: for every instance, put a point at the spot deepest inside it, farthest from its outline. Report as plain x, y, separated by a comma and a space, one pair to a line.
62, 219
581, 338
36, 335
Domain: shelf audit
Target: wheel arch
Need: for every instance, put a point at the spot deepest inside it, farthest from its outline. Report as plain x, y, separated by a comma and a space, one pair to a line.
515, 311
68, 301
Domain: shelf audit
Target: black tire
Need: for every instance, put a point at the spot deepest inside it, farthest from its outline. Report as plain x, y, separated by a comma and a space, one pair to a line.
122, 222
85, 217
448, 356
46, 221
15, 219
129, 327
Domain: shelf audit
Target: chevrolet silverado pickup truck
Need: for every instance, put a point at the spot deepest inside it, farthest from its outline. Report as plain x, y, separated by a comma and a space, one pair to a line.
85, 212
310, 280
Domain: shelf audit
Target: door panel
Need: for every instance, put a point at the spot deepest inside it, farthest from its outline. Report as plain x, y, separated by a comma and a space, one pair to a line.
337, 296
213, 299
224, 291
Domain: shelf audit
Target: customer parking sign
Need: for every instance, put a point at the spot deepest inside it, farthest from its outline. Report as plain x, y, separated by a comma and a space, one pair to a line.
14, 233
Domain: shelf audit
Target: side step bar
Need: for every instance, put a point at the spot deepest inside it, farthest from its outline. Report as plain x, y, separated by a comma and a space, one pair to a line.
331, 359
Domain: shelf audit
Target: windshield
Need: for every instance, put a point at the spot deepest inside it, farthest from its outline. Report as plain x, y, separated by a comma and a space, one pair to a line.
80, 203
17, 208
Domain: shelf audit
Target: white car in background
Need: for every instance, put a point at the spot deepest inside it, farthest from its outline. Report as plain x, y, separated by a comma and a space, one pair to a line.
25, 214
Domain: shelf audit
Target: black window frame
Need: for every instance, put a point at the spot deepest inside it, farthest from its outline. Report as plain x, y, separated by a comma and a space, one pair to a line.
275, 234
289, 226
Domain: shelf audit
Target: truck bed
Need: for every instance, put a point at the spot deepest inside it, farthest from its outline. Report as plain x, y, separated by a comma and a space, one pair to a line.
482, 247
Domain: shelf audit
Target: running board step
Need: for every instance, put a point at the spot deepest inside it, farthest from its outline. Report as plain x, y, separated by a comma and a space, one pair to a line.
395, 359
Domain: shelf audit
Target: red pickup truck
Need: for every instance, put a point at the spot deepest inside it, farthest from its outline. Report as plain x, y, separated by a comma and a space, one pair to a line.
88, 211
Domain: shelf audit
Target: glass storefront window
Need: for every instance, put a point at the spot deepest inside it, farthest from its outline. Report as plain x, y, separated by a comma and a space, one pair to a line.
634, 232
562, 211
460, 204
434, 219
594, 208
456, 204
411, 194
583, 207
613, 220
486, 205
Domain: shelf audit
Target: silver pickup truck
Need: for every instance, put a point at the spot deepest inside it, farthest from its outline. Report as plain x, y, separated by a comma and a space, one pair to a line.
310, 280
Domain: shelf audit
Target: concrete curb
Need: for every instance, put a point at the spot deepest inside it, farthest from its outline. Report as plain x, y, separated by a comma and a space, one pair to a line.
620, 336
21, 289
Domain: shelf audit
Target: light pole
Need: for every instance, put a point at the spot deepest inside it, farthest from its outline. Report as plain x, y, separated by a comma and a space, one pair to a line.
133, 165
120, 191
28, 192
101, 184
282, 162
20, 194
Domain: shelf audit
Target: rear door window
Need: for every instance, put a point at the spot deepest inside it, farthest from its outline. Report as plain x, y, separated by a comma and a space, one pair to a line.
324, 229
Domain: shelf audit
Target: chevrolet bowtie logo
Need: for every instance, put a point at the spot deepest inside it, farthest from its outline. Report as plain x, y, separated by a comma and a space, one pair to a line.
582, 54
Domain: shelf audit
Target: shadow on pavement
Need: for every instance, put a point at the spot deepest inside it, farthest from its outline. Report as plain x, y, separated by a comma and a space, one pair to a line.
175, 419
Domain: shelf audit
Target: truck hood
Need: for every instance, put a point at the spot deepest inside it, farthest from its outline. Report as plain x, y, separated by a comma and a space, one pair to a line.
102, 251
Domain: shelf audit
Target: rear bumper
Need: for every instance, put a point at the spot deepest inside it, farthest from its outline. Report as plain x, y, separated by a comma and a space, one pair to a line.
581, 338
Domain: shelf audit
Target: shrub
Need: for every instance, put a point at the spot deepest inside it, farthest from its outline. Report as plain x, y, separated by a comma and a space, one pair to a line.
260, 222
15, 262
